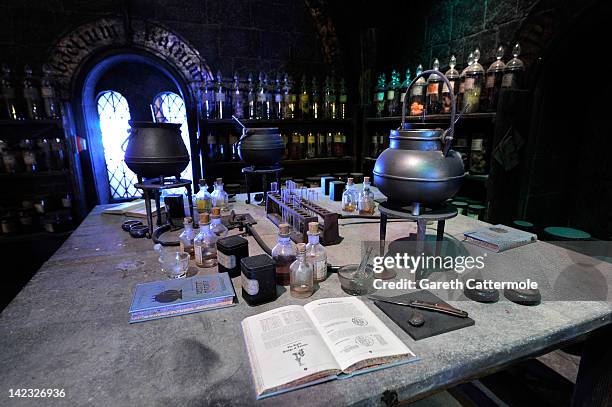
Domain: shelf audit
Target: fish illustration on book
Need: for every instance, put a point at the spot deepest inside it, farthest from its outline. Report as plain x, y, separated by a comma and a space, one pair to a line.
169, 296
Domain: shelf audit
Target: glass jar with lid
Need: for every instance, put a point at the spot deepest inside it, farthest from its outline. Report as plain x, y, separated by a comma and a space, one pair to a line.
453, 77
434, 90
417, 97
493, 82
461, 91
474, 78
514, 71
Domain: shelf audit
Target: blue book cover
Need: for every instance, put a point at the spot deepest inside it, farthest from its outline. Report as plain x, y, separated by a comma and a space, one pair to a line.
168, 294
499, 237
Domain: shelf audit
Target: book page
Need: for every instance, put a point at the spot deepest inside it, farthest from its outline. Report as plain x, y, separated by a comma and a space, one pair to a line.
354, 334
285, 349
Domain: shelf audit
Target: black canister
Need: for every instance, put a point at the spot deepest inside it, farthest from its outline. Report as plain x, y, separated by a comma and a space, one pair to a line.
325, 181
258, 279
230, 251
336, 188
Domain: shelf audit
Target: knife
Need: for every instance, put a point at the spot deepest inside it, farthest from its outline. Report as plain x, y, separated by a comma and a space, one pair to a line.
430, 306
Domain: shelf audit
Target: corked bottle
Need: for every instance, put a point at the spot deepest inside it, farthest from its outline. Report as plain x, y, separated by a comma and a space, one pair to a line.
217, 227
205, 244
283, 254
302, 281
315, 253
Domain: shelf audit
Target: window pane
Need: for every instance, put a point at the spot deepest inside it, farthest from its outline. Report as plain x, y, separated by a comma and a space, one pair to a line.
114, 114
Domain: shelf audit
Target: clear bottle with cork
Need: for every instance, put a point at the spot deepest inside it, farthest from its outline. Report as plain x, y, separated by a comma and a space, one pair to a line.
205, 244
379, 95
207, 99
417, 97
237, 101
220, 100
493, 81
219, 196
31, 95
216, 225
434, 90
393, 95
315, 253
453, 77
302, 278
187, 237
474, 78
203, 200
349, 198
365, 201
514, 71
284, 254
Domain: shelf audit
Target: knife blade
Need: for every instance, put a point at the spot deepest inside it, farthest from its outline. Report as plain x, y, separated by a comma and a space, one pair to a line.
430, 306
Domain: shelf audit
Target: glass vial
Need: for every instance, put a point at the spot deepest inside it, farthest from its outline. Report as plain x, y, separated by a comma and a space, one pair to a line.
315, 253
219, 196
453, 77
474, 78
187, 237
251, 99
514, 71
47, 90
316, 109
284, 254
495, 75
289, 99
349, 198
9, 99
237, 98
304, 100
461, 92
203, 200
31, 95
379, 95
434, 90
302, 279
417, 97
329, 103
365, 201
393, 95
342, 101
404, 90
205, 244
216, 226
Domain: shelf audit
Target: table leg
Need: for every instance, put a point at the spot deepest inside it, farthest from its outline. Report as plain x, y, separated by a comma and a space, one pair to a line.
383, 233
149, 212
439, 236
157, 207
248, 192
190, 203
420, 243
594, 379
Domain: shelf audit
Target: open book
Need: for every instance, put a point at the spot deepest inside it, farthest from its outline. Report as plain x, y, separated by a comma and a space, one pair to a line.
333, 338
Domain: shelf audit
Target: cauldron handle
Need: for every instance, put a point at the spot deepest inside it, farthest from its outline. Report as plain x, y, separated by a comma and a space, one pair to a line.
130, 130
450, 132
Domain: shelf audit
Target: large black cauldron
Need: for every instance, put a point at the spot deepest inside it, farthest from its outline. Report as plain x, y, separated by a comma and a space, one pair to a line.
156, 149
261, 147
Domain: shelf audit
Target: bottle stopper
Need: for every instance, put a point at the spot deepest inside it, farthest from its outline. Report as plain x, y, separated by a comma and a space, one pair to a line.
204, 219
216, 212
366, 179
313, 227
349, 181
188, 219
283, 229
301, 247
219, 180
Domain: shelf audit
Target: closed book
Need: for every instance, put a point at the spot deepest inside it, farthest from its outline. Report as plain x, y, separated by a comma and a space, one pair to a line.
183, 294
499, 238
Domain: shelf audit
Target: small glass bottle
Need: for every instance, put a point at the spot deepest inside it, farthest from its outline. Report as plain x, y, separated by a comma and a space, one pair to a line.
9, 99
393, 95
31, 96
342, 101
315, 253
207, 101
217, 227
417, 97
220, 100
269, 104
278, 105
203, 200
290, 99
493, 82
311, 151
453, 77
29, 155
187, 236
219, 196
260, 106
404, 89
284, 254
329, 104
205, 244
237, 98
304, 100
514, 71
47, 90
315, 101
474, 78
349, 198
302, 279
374, 145
365, 201
434, 90
461, 92
321, 146
379, 95
337, 145
251, 99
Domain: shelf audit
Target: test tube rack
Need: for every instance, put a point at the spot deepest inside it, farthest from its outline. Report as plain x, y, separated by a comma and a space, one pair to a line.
328, 225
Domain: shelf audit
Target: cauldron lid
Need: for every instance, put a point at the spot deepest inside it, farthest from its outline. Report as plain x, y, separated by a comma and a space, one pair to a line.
155, 125
260, 130
417, 134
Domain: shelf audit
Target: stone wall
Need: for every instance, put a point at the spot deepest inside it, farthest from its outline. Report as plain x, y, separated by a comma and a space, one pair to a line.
232, 35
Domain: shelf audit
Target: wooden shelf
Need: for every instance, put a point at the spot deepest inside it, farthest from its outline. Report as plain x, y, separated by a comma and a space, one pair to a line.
477, 177
283, 162
432, 117
33, 175
27, 237
278, 122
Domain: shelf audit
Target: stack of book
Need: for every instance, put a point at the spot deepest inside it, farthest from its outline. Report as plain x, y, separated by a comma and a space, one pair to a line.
160, 299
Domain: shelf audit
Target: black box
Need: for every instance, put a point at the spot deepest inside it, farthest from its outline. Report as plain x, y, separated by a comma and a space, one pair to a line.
336, 188
230, 250
325, 181
258, 279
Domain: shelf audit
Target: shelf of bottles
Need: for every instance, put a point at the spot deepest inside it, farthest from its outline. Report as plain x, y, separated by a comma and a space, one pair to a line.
313, 120
34, 163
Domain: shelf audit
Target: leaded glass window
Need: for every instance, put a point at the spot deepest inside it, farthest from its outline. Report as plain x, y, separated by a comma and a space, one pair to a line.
114, 114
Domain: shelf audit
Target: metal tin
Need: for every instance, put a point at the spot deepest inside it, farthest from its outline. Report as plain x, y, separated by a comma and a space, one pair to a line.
258, 279
230, 251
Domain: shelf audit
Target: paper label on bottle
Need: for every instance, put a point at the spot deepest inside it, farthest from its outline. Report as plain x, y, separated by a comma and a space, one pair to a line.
250, 286
477, 144
379, 96
220, 96
343, 98
432, 89
229, 262
47, 92
469, 83
311, 139
278, 98
461, 87
507, 80
390, 94
302, 139
402, 96
295, 139
490, 81
417, 90
319, 270
445, 87
198, 254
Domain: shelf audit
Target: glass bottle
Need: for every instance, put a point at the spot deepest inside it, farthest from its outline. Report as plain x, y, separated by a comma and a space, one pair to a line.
321, 146
374, 145
290, 99
514, 71
211, 142
493, 82
302, 279
337, 145
251, 99
43, 154
277, 106
50, 102
219, 196
31, 95
315, 253
216, 226
403, 90
474, 78
260, 107
329, 143
379, 95
329, 105
349, 198
284, 254
203, 200
205, 244
365, 201
58, 155
453, 77
9, 100
187, 236
417, 97
237, 98
294, 147
220, 100
28, 155
304, 100
461, 92
434, 90
208, 101
269, 103
342, 101
393, 95
303, 145
311, 151
315, 101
